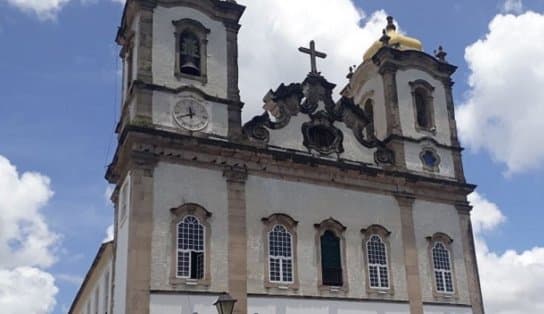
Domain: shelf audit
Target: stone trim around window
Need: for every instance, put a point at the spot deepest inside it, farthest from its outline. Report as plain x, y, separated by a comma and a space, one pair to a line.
447, 241
338, 229
384, 235
178, 214
427, 90
291, 226
201, 32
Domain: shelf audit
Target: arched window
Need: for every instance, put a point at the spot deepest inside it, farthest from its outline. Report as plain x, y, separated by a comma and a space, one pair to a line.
331, 261
190, 248
378, 272
422, 93
442, 268
369, 110
422, 110
280, 255
189, 50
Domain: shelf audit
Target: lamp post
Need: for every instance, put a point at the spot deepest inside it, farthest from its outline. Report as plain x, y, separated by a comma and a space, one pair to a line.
225, 304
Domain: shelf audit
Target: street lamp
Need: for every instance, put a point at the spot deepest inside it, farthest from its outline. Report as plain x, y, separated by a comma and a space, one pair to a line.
225, 304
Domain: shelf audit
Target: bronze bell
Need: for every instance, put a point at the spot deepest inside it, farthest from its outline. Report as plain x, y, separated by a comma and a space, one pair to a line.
189, 67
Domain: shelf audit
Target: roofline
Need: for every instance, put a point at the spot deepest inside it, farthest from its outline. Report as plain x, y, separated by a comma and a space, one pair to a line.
97, 258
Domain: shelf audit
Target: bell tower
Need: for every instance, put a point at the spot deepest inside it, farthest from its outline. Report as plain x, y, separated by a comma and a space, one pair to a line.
180, 66
180, 86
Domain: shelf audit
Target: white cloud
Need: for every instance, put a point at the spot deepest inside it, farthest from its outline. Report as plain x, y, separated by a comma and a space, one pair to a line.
44, 9
109, 234
512, 282
512, 6
505, 104
72, 279
26, 242
269, 43
27, 290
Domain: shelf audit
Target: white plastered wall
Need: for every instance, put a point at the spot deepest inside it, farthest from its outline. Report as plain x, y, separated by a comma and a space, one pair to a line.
429, 218
310, 204
182, 304
412, 153
175, 185
164, 49
163, 106
406, 106
444, 309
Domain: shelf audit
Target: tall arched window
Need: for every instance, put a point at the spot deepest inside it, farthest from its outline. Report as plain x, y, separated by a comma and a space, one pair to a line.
280, 255
369, 110
422, 93
422, 111
378, 272
190, 248
442, 268
331, 260
189, 50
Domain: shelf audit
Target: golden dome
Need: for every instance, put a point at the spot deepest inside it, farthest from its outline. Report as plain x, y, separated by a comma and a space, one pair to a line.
394, 40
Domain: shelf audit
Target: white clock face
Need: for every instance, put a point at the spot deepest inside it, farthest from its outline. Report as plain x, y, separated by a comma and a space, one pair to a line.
191, 115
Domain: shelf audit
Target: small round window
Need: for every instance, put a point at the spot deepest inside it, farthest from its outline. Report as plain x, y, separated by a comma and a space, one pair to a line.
430, 159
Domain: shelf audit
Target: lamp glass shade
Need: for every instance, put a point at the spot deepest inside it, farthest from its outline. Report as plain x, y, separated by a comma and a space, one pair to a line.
225, 304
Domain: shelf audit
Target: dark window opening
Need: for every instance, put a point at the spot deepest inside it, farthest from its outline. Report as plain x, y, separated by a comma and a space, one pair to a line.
369, 110
190, 58
321, 136
422, 110
197, 265
331, 262
429, 158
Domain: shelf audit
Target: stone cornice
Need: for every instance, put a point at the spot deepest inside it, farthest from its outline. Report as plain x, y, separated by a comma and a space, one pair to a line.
391, 59
137, 141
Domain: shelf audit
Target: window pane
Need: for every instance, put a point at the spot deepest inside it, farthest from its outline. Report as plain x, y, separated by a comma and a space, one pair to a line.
441, 257
373, 275
448, 281
280, 242
439, 281
376, 251
384, 280
183, 264
275, 269
287, 270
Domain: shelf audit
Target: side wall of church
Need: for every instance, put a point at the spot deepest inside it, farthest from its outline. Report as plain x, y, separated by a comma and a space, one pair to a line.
163, 106
121, 253
310, 204
164, 50
175, 185
429, 218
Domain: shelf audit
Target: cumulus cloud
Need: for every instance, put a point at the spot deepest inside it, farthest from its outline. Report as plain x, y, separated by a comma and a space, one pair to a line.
109, 234
43, 9
26, 243
269, 43
505, 103
512, 282
512, 6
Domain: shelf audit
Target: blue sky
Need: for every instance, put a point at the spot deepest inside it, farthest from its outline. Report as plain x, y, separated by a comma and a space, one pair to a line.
59, 103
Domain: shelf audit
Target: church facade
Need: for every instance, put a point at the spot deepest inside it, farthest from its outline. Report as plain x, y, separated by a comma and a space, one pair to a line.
354, 205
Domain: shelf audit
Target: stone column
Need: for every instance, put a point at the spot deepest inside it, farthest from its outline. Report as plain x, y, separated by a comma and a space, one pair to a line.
457, 161
413, 284
237, 237
389, 76
140, 220
233, 91
469, 252
144, 64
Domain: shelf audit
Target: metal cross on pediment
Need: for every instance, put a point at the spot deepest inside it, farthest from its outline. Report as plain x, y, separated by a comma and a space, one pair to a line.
314, 54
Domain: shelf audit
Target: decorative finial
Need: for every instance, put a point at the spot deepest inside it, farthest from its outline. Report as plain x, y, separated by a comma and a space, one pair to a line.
385, 38
390, 24
350, 74
314, 54
440, 54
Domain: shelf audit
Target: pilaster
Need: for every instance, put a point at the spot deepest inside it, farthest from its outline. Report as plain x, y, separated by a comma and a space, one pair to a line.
457, 161
469, 252
237, 237
388, 72
233, 91
139, 239
406, 201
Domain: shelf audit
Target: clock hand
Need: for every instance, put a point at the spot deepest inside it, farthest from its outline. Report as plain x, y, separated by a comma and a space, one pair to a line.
191, 114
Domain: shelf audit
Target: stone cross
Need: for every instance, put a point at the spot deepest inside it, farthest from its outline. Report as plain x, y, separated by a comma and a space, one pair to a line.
314, 54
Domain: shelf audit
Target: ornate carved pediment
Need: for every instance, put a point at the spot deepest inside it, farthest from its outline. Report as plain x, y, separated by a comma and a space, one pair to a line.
321, 136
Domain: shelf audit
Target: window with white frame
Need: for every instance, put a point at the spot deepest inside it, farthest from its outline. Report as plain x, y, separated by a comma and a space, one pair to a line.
190, 248
442, 268
280, 255
378, 271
